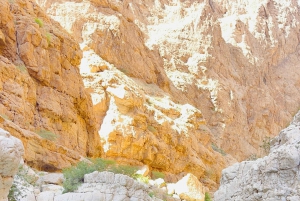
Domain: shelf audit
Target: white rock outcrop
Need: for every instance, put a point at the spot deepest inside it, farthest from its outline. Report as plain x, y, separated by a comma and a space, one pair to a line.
274, 177
190, 189
107, 186
11, 152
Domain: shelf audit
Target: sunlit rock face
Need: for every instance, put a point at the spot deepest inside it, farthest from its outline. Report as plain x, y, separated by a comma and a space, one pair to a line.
42, 97
235, 61
274, 177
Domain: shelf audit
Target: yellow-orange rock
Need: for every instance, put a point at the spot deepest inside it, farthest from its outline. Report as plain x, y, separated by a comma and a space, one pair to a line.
235, 61
139, 124
41, 91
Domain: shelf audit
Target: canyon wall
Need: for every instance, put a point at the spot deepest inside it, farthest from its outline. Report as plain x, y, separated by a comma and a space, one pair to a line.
42, 97
235, 61
165, 83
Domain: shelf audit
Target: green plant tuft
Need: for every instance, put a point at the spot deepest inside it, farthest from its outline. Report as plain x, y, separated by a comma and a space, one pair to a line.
22, 68
157, 175
4, 116
217, 149
47, 135
141, 178
151, 194
252, 157
74, 175
14, 192
49, 38
266, 145
207, 197
123, 169
152, 129
39, 22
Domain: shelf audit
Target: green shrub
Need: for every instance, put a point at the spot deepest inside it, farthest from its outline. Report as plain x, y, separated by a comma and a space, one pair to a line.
47, 135
39, 22
4, 116
156, 175
123, 169
14, 192
217, 149
74, 175
141, 178
22, 68
151, 194
266, 145
207, 197
152, 129
49, 38
252, 157
22, 181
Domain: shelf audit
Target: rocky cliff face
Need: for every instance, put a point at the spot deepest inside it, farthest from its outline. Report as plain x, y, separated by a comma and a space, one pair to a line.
143, 117
236, 62
169, 80
274, 177
42, 97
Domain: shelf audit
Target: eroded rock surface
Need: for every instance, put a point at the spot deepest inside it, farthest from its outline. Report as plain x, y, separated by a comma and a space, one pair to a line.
222, 57
274, 177
42, 97
11, 152
140, 124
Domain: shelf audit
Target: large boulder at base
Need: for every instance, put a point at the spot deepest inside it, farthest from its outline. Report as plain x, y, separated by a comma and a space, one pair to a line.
189, 188
11, 152
274, 177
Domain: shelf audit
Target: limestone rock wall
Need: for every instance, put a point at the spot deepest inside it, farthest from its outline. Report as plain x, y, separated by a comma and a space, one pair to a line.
274, 177
140, 125
11, 152
142, 117
42, 97
236, 62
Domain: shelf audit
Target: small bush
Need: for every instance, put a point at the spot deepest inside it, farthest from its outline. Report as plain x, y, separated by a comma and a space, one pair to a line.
123, 169
47, 135
207, 197
141, 178
74, 175
20, 184
4, 116
22, 68
157, 175
151, 194
217, 149
14, 192
266, 145
49, 38
39, 22
152, 129
252, 157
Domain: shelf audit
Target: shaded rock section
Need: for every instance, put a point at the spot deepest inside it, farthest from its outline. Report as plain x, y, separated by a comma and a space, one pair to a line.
274, 177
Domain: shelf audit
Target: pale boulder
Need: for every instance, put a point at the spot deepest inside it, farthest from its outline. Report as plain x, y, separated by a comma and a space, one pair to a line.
190, 189
11, 152
144, 171
53, 178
